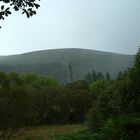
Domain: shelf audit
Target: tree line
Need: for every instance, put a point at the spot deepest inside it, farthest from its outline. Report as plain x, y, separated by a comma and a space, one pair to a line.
95, 76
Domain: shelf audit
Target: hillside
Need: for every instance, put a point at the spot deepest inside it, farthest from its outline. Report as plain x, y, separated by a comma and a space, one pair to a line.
56, 62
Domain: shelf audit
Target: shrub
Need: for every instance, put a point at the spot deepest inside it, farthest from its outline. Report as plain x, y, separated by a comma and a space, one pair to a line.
122, 128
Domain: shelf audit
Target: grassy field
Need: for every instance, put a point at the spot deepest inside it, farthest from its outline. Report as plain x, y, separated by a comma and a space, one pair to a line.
47, 132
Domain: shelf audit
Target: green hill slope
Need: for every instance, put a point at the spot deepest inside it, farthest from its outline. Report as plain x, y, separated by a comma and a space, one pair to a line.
56, 62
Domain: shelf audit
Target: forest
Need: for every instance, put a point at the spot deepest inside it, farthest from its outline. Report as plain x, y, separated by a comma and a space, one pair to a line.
109, 108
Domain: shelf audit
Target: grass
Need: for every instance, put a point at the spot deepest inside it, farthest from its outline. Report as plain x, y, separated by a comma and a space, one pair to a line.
82, 135
47, 132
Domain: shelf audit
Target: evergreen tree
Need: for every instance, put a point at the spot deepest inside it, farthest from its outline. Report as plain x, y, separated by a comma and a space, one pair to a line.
107, 76
94, 75
88, 77
70, 74
100, 76
134, 87
120, 74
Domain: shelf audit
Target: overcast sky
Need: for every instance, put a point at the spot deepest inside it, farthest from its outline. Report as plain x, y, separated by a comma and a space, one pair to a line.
107, 25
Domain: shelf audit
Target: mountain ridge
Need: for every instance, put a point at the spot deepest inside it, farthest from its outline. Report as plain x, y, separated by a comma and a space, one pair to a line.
55, 62
35, 51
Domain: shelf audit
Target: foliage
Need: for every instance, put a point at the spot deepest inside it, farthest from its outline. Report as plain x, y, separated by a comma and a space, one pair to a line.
120, 128
80, 100
124, 127
98, 86
115, 113
93, 76
27, 6
58, 104
15, 106
37, 100
107, 76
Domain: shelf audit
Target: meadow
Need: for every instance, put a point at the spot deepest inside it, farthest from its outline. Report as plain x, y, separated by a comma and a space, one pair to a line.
47, 132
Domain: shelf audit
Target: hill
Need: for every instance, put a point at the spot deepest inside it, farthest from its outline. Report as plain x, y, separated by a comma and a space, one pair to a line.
57, 62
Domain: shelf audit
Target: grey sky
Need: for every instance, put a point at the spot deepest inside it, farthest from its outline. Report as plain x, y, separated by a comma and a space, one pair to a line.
107, 25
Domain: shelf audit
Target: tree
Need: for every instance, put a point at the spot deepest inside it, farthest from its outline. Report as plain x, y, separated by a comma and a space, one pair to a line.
80, 100
100, 76
107, 76
98, 86
27, 6
120, 75
44, 105
38, 82
102, 105
94, 75
132, 97
71, 78
15, 106
116, 109
88, 77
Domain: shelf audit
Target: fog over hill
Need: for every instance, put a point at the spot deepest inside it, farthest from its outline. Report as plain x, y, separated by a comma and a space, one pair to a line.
56, 62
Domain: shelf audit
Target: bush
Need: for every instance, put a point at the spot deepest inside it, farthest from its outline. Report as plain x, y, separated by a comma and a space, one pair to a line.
122, 128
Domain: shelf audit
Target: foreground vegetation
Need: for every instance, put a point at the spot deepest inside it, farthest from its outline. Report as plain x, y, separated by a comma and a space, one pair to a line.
115, 113
110, 108
33, 100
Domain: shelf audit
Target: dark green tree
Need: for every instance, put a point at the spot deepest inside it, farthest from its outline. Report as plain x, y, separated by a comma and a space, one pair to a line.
80, 100
94, 75
88, 77
100, 76
97, 87
133, 95
70, 74
107, 76
15, 106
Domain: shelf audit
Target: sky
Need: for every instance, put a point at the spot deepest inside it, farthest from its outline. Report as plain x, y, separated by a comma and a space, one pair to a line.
106, 25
